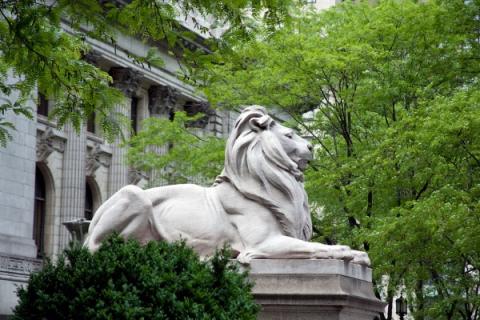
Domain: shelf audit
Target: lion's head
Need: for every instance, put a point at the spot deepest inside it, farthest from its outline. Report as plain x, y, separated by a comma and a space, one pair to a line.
265, 161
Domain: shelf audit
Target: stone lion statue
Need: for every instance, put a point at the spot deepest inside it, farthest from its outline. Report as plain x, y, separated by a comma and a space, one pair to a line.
258, 205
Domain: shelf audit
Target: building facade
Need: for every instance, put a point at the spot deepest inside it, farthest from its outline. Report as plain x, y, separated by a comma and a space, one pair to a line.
49, 175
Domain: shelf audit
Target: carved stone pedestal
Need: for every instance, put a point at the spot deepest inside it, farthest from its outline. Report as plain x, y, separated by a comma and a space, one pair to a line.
314, 289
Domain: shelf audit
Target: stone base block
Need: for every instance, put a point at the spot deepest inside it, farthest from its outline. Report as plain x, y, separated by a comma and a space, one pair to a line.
314, 289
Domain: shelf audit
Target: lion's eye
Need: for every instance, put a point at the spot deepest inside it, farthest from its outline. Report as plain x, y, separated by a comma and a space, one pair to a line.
289, 135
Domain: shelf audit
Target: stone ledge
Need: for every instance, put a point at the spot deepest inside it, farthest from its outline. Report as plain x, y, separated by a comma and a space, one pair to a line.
311, 267
18, 266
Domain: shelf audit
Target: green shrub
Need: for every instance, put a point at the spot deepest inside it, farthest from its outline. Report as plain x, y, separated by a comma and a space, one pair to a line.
124, 280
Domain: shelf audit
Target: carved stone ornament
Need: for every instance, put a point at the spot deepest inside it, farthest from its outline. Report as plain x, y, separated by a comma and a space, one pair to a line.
19, 265
162, 100
193, 108
97, 157
78, 228
126, 80
47, 142
135, 176
258, 205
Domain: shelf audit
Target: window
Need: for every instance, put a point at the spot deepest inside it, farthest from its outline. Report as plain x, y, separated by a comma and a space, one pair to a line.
42, 105
91, 123
88, 202
134, 114
39, 212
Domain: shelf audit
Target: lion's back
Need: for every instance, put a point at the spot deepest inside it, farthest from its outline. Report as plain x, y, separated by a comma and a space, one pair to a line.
189, 212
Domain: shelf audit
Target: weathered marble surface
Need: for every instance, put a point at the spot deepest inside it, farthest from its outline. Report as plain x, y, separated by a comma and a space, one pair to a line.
258, 204
330, 289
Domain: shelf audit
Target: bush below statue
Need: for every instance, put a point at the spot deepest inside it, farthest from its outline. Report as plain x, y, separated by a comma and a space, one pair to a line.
124, 280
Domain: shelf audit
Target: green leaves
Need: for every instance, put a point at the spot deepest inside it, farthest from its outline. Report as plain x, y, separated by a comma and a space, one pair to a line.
388, 93
186, 153
15, 107
38, 53
42, 45
124, 280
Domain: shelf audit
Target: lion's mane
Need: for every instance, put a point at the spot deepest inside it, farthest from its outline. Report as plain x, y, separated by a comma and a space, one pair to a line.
258, 167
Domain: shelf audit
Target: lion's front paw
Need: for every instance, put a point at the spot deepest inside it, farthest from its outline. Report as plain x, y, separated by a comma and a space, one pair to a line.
341, 247
346, 255
334, 252
361, 257
245, 257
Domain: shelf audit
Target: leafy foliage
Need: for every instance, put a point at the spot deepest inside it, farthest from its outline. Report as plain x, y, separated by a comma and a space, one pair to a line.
389, 94
36, 52
42, 44
185, 153
124, 280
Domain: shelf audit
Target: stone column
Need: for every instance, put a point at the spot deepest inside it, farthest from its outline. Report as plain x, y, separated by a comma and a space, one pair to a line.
127, 81
72, 204
161, 104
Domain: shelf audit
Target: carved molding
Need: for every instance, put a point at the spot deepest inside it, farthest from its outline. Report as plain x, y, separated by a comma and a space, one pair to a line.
47, 142
135, 176
162, 100
125, 80
194, 107
96, 158
19, 265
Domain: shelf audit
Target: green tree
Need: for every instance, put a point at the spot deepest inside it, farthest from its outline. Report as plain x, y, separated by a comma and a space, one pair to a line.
124, 280
188, 155
389, 94
36, 51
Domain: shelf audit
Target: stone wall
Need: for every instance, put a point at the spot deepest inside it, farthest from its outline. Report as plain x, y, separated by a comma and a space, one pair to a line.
17, 174
69, 160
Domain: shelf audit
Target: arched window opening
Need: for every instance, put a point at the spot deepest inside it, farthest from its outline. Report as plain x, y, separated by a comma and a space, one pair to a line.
39, 212
88, 202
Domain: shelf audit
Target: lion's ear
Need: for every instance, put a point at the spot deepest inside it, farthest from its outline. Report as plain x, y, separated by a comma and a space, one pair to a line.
260, 123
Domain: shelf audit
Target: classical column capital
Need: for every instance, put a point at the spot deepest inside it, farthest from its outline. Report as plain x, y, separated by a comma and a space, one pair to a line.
194, 107
162, 99
92, 57
125, 80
